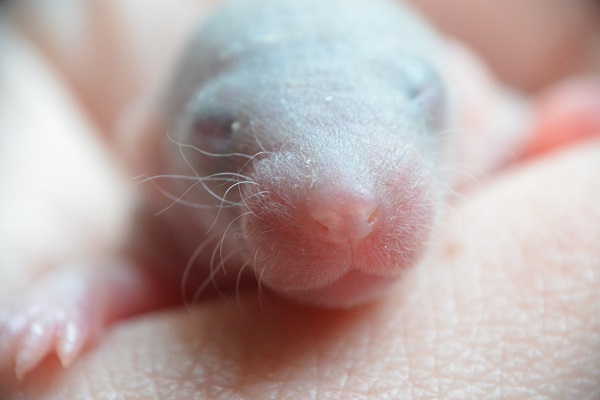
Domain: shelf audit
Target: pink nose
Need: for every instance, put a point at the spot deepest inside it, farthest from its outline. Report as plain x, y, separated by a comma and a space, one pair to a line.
348, 221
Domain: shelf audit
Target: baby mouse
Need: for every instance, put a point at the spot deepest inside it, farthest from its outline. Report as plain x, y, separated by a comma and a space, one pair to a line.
307, 146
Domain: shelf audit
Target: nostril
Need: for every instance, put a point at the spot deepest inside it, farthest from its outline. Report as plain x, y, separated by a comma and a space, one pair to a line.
373, 216
363, 221
322, 225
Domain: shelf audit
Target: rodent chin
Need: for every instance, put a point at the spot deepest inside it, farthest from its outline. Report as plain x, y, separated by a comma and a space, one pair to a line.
354, 288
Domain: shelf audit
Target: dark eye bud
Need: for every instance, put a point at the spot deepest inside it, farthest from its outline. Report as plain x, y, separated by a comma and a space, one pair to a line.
213, 133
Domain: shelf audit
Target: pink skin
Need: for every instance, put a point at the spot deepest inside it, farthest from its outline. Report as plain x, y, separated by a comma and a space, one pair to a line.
528, 44
69, 309
566, 113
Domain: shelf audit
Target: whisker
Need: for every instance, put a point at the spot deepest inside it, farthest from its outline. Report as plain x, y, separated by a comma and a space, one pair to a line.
252, 128
222, 200
238, 184
178, 200
216, 177
238, 281
260, 290
252, 158
249, 197
204, 152
219, 247
211, 278
170, 177
225, 235
189, 265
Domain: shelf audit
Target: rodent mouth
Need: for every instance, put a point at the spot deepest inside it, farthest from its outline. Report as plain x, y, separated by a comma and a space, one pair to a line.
303, 258
354, 287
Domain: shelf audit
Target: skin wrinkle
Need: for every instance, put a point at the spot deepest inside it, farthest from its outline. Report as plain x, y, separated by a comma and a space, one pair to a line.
500, 306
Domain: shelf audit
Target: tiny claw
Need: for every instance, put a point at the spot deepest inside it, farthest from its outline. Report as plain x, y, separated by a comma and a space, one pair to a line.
6, 341
66, 311
70, 342
34, 347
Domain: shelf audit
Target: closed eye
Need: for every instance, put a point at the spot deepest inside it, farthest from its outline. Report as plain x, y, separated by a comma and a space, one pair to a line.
213, 131
426, 92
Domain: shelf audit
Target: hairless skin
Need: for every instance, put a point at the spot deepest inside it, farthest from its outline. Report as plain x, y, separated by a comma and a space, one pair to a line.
307, 144
316, 136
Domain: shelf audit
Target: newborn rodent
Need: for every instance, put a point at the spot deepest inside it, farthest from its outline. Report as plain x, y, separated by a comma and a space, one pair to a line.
302, 145
305, 138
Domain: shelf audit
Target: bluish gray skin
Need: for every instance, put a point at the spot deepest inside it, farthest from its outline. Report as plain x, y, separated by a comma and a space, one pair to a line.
329, 113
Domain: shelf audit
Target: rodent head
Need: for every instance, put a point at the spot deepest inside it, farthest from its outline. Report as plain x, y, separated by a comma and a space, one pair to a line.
334, 174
